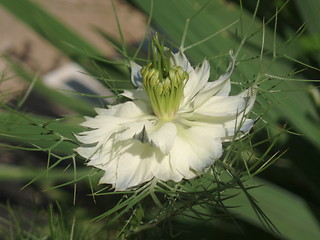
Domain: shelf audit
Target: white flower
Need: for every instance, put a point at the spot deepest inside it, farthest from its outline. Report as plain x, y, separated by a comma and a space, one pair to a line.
172, 128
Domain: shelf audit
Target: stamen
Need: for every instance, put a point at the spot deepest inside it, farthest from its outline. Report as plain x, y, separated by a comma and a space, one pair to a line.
163, 83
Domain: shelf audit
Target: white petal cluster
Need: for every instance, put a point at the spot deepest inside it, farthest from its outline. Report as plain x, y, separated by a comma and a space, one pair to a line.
132, 146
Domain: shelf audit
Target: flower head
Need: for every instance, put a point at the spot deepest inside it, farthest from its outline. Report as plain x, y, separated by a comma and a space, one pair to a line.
173, 127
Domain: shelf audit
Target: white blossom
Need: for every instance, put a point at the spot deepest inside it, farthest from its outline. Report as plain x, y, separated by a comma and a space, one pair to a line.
171, 129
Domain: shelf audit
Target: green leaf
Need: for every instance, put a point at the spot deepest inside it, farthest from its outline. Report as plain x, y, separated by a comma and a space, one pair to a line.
38, 133
288, 212
23, 173
309, 10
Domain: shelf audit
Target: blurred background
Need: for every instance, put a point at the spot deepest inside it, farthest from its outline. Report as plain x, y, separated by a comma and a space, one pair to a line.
44, 46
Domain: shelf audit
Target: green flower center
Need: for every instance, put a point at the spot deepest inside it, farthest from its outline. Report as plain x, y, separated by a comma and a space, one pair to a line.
163, 83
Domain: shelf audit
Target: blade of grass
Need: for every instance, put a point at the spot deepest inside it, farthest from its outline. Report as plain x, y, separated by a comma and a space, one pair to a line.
287, 211
32, 130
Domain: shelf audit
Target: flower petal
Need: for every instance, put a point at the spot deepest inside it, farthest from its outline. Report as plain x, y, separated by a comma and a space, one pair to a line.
179, 59
88, 152
220, 87
227, 106
239, 127
163, 170
138, 108
98, 154
132, 129
135, 94
93, 136
195, 149
132, 167
133, 109
136, 77
216, 88
250, 95
135, 171
163, 136
218, 106
197, 80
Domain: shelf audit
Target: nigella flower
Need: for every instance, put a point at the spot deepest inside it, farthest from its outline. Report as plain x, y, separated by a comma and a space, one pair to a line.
173, 126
